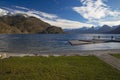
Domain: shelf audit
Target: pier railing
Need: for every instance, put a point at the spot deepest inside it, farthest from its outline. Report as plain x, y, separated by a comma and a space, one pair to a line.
116, 38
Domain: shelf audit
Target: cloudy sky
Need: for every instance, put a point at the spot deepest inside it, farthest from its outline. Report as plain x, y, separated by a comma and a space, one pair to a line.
67, 13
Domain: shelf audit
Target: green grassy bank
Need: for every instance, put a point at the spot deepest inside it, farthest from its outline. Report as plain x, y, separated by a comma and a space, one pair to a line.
116, 55
56, 68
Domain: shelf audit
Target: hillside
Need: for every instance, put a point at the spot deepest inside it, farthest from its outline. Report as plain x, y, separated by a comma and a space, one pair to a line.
20, 24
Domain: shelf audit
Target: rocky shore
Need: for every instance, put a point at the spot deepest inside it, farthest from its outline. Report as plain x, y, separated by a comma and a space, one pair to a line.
67, 53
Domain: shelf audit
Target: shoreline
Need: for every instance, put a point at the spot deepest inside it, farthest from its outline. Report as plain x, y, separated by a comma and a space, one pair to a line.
62, 53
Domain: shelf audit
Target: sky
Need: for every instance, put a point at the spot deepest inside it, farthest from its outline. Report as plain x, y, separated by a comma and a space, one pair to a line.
68, 14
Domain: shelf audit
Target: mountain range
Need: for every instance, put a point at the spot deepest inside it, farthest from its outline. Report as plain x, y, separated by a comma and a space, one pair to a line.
24, 24
96, 30
116, 30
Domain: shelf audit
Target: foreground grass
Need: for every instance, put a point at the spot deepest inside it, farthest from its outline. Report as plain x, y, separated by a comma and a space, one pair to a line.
116, 55
56, 68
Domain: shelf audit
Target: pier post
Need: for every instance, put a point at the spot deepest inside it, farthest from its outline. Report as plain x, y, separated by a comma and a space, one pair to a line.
112, 37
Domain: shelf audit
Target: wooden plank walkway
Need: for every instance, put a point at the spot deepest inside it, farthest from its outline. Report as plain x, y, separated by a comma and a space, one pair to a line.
81, 42
109, 59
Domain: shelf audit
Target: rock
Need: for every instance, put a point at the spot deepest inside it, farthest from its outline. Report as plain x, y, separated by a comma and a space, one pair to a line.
53, 30
3, 55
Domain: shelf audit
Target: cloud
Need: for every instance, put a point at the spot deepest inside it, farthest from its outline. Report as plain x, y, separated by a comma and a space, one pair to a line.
110, 23
95, 9
50, 18
67, 23
42, 14
19, 7
3, 12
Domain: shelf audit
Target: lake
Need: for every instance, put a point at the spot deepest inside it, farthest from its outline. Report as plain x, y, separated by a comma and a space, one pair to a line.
41, 43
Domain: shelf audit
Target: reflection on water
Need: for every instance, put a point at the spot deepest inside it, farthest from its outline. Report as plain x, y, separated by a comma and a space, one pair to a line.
36, 43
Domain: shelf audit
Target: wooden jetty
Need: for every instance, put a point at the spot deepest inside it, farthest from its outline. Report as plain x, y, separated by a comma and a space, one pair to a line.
96, 39
78, 42
81, 42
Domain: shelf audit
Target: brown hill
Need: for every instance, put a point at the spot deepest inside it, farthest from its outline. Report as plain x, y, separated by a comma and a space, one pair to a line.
4, 28
21, 24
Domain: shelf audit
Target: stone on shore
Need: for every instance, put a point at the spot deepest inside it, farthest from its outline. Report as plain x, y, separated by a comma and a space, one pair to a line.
3, 55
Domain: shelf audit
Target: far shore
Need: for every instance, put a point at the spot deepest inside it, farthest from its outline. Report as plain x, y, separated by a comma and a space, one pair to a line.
62, 53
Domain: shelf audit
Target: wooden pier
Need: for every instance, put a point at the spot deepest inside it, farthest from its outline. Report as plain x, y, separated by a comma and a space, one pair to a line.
94, 40
81, 42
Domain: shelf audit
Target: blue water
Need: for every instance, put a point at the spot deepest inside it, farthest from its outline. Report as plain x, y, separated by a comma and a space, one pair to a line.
38, 43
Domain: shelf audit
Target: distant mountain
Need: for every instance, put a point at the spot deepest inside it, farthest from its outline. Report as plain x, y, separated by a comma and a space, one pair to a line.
24, 24
91, 30
115, 27
80, 30
116, 31
102, 29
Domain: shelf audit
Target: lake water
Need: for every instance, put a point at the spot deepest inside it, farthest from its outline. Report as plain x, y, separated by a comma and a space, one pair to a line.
40, 43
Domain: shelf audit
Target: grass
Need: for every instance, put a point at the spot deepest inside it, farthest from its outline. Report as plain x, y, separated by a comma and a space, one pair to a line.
116, 55
56, 68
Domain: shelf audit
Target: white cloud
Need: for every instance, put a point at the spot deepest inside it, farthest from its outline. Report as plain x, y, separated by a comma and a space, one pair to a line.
67, 23
3, 12
50, 18
42, 14
110, 23
19, 7
95, 9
